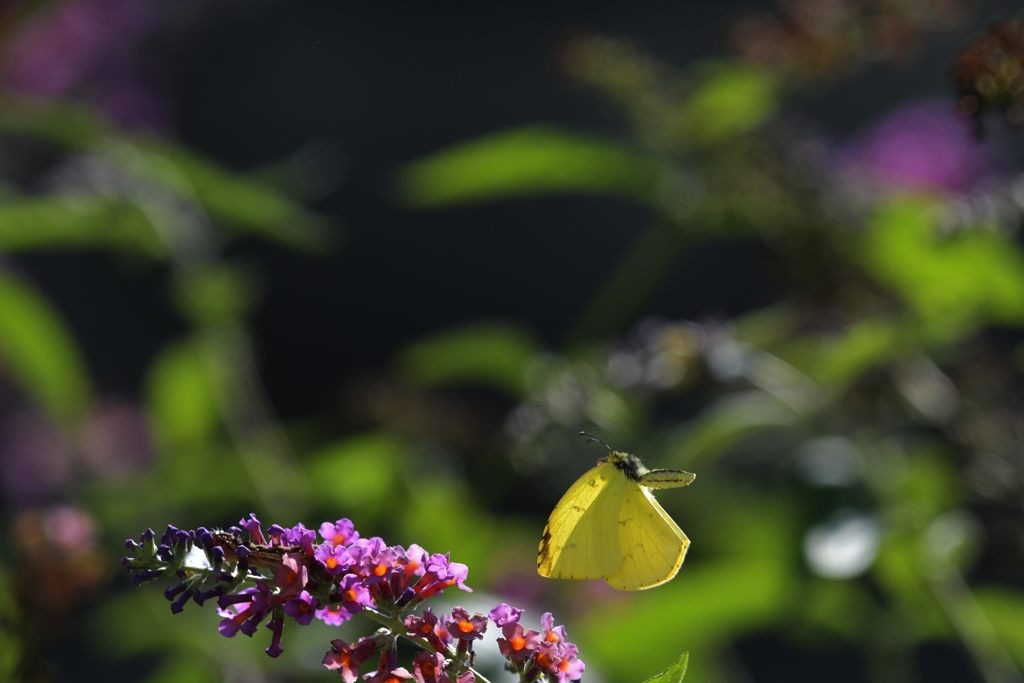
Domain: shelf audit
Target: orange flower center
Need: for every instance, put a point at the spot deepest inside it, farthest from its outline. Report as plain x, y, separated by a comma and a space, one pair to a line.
380, 569
351, 596
331, 562
426, 628
517, 643
339, 539
466, 626
544, 660
551, 637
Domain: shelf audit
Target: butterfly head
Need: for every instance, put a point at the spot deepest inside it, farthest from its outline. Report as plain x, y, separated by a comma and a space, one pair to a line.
627, 463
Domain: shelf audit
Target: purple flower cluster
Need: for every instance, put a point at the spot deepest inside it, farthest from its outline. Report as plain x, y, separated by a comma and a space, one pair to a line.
268, 575
89, 48
532, 653
919, 146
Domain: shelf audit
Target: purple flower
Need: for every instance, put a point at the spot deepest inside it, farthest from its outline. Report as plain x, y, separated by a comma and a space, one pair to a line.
276, 626
342, 532
384, 676
442, 573
428, 667
297, 535
505, 614
428, 627
301, 607
462, 626
366, 553
255, 529
920, 146
345, 580
552, 634
549, 658
333, 616
377, 568
571, 667
291, 575
354, 595
70, 529
248, 608
518, 644
336, 559
415, 561
115, 441
346, 659
35, 462
87, 47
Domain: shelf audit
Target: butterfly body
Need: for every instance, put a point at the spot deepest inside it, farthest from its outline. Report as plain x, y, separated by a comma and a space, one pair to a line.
609, 526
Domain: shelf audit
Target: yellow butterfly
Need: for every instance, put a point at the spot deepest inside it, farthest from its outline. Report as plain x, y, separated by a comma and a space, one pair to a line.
609, 526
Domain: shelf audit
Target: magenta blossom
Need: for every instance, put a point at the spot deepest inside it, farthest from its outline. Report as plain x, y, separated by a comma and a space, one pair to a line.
505, 614
518, 644
920, 146
291, 575
354, 595
333, 615
346, 659
336, 559
260, 582
429, 628
464, 626
297, 535
301, 608
341, 532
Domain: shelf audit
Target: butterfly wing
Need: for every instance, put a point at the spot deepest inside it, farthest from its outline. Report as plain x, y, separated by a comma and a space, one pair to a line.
579, 541
651, 544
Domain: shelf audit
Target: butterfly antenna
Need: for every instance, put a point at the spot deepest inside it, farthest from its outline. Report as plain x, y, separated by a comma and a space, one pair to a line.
591, 437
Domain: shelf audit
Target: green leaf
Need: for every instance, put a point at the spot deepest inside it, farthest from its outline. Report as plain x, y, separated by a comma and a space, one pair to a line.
85, 221
726, 423
525, 162
675, 673
39, 353
63, 124
215, 293
487, 354
358, 472
732, 99
241, 203
953, 283
181, 396
836, 361
1004, 609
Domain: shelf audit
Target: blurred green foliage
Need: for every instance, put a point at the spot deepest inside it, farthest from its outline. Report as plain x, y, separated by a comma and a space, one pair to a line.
39, 353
